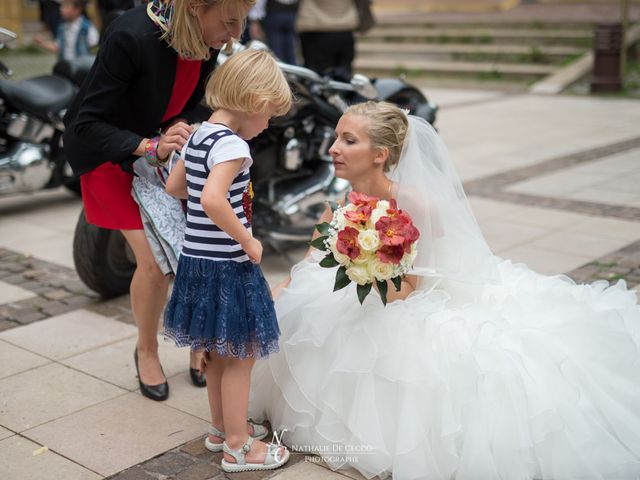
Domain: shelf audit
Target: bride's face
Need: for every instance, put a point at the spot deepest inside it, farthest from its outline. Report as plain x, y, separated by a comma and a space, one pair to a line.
353, 156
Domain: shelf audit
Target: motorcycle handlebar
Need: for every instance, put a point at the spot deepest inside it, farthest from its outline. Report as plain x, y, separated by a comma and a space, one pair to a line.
4, 70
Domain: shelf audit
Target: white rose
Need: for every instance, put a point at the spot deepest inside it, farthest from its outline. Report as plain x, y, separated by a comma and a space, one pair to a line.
379, 212
409, 258
381, 270
341, 258
359, 274
340, 221
364, 257
383, 204
369, 240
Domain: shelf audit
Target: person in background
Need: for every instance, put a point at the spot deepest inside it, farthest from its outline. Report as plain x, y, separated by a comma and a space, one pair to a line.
326, 35
76, 35
50, 14
277, 18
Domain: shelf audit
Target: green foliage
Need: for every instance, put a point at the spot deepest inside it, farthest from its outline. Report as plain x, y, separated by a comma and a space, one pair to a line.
363, 291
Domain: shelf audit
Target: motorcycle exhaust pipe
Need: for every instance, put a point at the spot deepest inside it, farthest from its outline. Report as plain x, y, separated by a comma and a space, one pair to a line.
24, 168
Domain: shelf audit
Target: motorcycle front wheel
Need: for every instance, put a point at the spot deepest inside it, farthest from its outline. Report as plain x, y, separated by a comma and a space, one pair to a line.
102, 258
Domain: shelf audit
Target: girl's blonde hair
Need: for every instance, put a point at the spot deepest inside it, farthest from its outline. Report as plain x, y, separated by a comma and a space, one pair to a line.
250, 82
185, 34
387, 127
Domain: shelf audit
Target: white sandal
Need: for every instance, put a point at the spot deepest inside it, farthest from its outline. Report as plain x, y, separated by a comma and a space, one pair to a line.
272, 460
259, 432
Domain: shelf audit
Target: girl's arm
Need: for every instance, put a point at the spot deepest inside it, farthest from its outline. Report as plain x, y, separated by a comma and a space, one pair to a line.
218, 209
176, 185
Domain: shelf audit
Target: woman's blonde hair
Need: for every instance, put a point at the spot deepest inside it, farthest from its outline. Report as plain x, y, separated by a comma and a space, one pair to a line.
185, 34
250, 82
387, 127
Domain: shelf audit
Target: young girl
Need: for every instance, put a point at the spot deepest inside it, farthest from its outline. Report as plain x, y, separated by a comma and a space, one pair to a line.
221, 302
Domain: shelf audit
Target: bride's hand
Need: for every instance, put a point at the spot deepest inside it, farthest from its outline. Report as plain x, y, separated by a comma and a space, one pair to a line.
277, 290
407, 286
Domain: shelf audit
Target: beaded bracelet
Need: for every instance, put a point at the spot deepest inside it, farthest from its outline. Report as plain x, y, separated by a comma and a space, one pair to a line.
151, 153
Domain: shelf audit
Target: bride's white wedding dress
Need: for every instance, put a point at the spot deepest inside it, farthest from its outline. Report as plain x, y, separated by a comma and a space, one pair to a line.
516, 377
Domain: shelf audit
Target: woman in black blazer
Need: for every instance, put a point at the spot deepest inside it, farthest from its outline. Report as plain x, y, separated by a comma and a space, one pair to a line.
148, 78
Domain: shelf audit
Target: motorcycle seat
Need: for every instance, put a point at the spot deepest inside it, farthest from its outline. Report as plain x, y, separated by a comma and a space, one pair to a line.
39, 96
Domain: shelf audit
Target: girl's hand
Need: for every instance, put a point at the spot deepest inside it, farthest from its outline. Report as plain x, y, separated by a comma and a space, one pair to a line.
173, 139
253, 248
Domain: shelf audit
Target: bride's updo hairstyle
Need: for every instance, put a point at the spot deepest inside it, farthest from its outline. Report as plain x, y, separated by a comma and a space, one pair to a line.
387, 127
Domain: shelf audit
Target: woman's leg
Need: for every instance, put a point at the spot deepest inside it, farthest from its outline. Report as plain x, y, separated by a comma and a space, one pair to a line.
148, 296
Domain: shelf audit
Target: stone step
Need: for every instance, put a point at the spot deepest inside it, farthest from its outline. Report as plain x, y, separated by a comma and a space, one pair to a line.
390, 66
480, 35
533, 54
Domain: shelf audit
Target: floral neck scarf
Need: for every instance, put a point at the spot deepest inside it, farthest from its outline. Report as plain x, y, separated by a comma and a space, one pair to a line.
161, 13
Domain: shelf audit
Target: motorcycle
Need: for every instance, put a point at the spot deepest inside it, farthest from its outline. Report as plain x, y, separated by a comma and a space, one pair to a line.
293, 174
31, 111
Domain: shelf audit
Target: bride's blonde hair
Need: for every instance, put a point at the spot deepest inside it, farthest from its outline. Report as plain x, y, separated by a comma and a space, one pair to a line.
387, 127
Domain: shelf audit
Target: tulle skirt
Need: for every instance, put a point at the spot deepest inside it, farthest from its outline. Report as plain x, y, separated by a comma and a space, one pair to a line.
221, 306
539, 378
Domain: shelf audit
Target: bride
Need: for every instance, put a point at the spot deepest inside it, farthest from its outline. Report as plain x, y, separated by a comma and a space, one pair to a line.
477, 369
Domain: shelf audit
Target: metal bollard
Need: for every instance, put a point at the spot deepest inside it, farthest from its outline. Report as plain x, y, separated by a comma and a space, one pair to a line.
607, 46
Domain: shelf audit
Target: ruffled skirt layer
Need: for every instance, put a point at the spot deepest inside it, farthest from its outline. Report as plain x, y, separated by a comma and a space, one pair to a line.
540, 378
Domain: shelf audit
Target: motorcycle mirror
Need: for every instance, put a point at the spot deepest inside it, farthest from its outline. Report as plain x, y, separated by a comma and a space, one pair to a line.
363, 86
258, 45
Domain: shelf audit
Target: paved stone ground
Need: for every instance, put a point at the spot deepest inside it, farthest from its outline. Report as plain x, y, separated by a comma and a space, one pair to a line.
55, 290
66, 372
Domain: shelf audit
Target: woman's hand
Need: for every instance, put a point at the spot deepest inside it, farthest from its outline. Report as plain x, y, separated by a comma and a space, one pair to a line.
173, 139
253, 248
277, 290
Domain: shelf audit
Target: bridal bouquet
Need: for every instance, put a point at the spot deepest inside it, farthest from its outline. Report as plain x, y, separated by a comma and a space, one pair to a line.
371, 240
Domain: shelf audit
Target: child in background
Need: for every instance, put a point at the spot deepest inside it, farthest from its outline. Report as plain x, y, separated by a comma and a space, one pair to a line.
76, 35
221, 302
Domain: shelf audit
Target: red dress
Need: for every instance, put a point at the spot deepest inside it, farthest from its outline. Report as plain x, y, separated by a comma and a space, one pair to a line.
106, 191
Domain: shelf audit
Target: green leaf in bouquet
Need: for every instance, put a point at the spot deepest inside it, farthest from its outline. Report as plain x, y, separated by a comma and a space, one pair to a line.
382, 288
334, 206
329, 261
363, 291
319, 243
323, 228
397, 282
342, 279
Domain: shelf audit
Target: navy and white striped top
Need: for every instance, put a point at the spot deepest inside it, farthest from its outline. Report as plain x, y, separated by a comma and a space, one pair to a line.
209, 145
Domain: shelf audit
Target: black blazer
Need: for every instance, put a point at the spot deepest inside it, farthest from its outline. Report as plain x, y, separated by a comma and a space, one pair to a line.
126, 94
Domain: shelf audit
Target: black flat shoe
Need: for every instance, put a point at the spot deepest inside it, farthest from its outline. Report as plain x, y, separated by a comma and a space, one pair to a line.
197, 378
154, 392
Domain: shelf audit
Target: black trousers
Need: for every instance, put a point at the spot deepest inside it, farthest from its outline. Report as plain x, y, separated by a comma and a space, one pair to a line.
50, 15
329, 52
